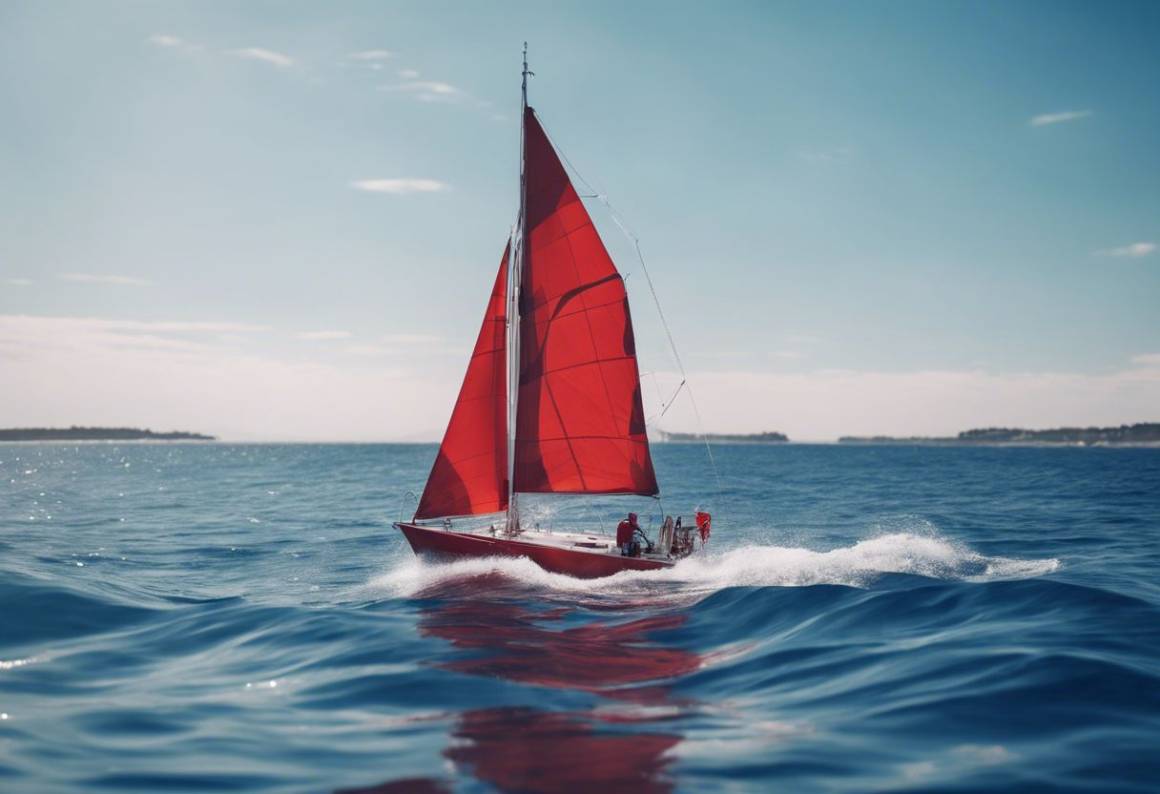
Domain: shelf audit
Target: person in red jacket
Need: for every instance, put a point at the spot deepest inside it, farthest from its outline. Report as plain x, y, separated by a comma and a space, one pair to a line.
625, 531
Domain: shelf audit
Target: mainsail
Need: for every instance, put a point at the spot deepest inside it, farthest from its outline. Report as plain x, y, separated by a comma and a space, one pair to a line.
579, 423
470, 472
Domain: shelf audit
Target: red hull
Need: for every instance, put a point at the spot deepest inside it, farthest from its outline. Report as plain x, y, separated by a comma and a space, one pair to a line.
447, 544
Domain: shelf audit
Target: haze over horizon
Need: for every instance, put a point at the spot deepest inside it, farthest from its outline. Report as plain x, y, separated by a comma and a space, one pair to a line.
280, 221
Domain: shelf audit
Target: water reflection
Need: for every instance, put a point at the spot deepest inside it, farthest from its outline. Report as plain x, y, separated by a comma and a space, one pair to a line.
622, 746
597, 657
526, 749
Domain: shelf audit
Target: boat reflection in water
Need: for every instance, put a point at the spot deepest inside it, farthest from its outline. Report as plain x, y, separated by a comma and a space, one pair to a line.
523, 748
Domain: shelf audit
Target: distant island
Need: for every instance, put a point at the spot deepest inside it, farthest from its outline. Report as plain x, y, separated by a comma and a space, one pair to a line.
1144, 433
95, 434
738, 438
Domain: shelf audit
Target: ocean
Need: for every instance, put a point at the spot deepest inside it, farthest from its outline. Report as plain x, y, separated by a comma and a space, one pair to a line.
218, 617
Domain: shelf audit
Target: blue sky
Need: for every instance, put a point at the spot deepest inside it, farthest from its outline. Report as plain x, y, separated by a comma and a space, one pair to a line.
281, 220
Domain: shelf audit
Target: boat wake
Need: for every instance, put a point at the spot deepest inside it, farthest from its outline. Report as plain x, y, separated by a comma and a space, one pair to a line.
859, 565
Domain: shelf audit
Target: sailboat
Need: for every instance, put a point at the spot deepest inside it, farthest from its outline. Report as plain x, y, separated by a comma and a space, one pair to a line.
551, 401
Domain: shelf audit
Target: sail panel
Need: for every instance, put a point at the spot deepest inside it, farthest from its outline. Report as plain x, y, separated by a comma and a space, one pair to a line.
469, 476
580, 423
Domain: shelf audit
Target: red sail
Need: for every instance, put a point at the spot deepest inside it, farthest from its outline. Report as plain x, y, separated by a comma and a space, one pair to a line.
470, 473
580, 424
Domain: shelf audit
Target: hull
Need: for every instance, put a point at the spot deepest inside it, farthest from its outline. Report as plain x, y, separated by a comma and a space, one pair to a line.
555, 557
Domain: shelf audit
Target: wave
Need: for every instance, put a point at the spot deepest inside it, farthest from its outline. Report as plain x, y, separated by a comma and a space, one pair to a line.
858, 565
38, 611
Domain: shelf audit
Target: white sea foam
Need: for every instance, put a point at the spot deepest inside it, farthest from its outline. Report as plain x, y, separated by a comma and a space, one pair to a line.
754, 565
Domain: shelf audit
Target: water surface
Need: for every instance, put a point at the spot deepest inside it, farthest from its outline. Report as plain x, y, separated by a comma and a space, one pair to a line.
243, 617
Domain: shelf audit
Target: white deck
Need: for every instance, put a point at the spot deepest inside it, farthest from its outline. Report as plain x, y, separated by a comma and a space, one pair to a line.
572, 541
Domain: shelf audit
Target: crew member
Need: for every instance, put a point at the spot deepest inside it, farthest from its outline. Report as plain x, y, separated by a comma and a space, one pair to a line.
625, 531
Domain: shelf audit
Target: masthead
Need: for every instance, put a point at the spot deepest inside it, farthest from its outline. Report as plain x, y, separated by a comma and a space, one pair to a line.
526, 73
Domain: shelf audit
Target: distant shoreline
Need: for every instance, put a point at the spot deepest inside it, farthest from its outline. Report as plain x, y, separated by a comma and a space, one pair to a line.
1145, 435
844, 442
1137, 435
96, 434
724, 438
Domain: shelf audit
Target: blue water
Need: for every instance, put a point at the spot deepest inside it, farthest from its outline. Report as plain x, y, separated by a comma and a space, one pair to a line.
244, 618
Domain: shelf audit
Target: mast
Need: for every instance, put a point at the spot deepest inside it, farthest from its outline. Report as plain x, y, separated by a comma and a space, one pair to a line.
516, 275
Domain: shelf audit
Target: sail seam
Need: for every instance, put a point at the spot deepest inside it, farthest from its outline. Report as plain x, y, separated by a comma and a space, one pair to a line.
593, 362
589, 437
614, 491
573, 312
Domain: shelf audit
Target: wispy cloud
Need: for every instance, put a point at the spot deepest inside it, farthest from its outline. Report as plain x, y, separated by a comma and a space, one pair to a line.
19, 282
167, 380
104, 278
371, 55
1147, 360
427, 90
24, 335
266, 56
399, 186
369, 350
164, 40
1133, 251
171, 42
178, 326
406, 345
411, 339
436, 91
323, 336
1044, 119
720, 354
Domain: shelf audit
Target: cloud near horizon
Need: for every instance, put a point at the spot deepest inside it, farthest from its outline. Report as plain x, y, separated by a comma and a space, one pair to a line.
1044, 119
79, 370
399, 186
323, 336
823, 405
411, 339
25, 338
104, 278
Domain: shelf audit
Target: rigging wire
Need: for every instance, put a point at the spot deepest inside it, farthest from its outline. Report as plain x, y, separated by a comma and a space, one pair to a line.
665, 404
620, 223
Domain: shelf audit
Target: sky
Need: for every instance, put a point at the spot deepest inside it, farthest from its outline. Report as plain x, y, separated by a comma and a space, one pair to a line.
281, 220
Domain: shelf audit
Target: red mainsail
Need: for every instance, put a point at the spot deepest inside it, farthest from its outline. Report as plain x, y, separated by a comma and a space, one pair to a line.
470, 472
580, 424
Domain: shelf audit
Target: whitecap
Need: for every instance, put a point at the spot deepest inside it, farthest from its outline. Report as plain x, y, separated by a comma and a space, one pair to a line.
857, 565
